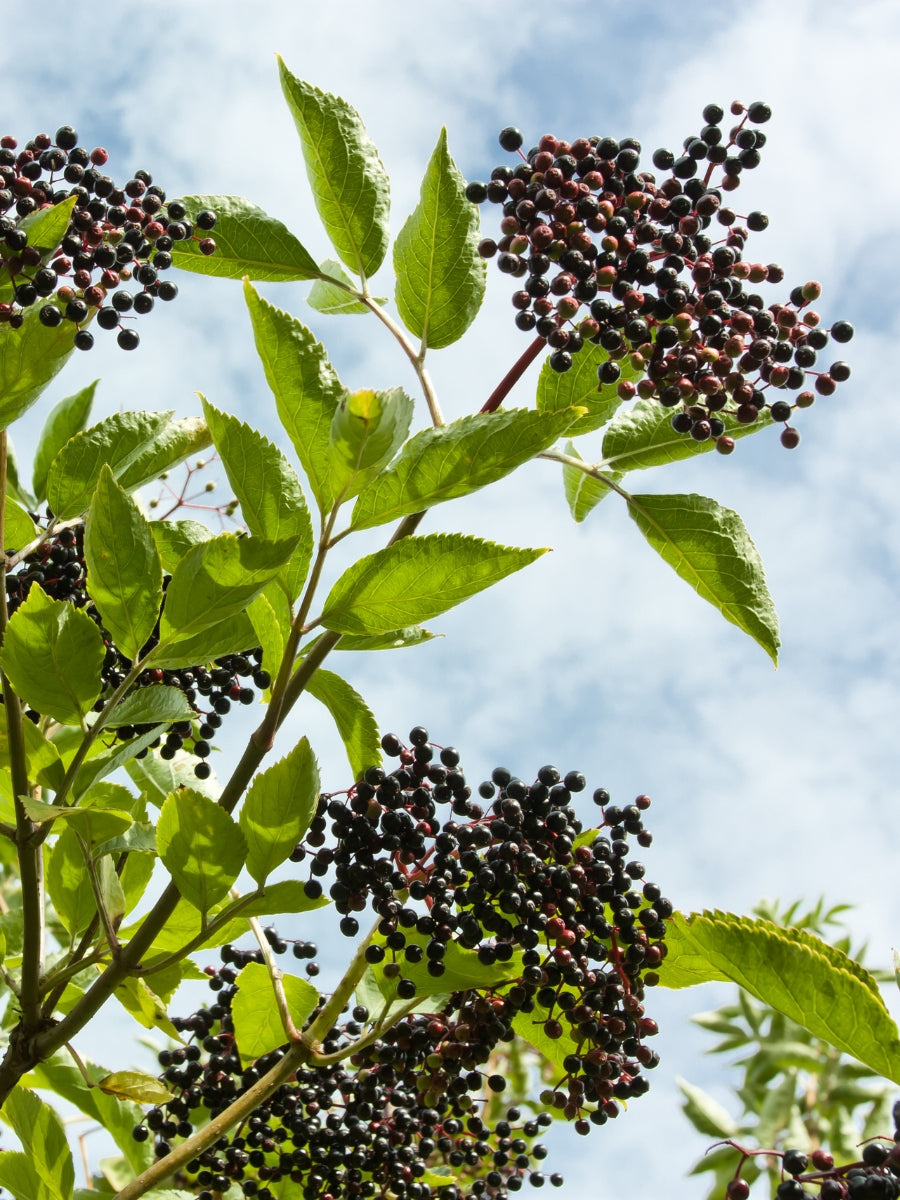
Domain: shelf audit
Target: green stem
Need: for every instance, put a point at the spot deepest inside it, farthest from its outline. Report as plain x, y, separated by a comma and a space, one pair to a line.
277, 977
334, 1006
569, 460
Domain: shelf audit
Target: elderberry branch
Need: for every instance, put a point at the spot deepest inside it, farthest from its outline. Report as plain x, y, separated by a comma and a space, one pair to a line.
277, 977
416, 358
102, 912
332, 1009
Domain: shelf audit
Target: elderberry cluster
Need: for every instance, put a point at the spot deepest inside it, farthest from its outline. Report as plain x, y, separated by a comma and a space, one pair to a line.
114, 235
615, 256
57, 566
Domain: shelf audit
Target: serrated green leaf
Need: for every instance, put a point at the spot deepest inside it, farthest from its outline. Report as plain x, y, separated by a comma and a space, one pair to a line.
583, 491
153, 705
157, 777
52, 654
642, 436
124, 571
349, 184
531, 1027
119, 440
67, 883
797, 974
394, 639
44, 764
216, 580
43, 1139
441, 464
176, 441
248, 243
234, 635
30, 357
201, 846
463, 970
305, 385
139, 999
65, 420
19, 529
579, 386
440, 274
367, 430
706, 1114
47, 227
135, 1085
271, 498
257, 1023
326, 297
278, 809
416, 579
174, 539
18, 1174
95, 825
270, 616
105, 762
353, 717
710, 548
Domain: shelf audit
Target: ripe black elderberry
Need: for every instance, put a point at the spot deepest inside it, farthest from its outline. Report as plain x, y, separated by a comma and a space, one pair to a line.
114, 235
589, 234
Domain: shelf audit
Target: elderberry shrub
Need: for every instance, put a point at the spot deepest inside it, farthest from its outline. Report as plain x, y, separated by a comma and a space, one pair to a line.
114, 235
562, 913
602, 252
211, 689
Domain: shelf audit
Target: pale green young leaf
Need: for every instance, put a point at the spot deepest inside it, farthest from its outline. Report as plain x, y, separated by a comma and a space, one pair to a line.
349, 184
305, 385
153, 705
710, 548
583, 491
367, 431
249, 244
394, 639
134, 1085
30, 357
52, 654
278, 809
267, 487
47, 227
216, 580
416, 579
353, 717
124, 571
43, 1138
19, 1175
95, 826
18, 527
257, 1023
104, 762
580, 386
64, 420
440, 464
174, 539
201, 846
814, 984
67, 884
325, 296
440, 274
705, 1113
270, 615
176, 441
642, 436
233, 635
118, 440
157, 777
138, 998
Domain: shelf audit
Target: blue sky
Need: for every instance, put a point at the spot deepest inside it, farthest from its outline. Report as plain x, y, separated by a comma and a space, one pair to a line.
598, 657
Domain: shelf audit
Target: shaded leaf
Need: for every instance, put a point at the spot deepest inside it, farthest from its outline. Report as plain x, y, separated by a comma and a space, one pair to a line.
257, 1023
440, 274
154, 705
326, 297
44, 764
135, 1085
349, 184
174, 539
201, 846
705, 1113
583, 492
65, 419
367, 430
176, 441
579, 386
30, 357
278, 809
353, 718
157, 777
249, 243
416, 579
710, 548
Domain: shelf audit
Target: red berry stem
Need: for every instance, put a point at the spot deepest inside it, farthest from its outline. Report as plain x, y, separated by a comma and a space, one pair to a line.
513, 375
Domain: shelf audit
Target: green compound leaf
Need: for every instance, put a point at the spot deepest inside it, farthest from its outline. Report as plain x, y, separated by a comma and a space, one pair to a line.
456, 459
234, 635
706, 1114
367, 430
201, 846
326, 297
124, 572
579, 386
394, 639
267, 487
353, 717
583, 492
257, 1023
174, 539
416, 579
216, 580
305, 385
797, 974
43, 1139
642, 436
249, 243
18, 526
120, 441
95, 825
52, 654
278, 809
349, 183
710, 548
65, 420
154, 705
30, 357
440, 274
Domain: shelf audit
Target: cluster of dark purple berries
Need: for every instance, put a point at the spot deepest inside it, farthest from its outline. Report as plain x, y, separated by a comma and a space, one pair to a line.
665, 297
875, 1177
115, 235
58, 567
